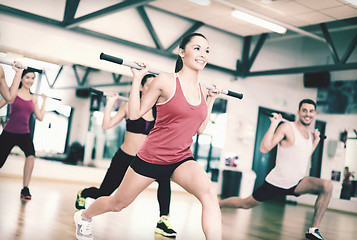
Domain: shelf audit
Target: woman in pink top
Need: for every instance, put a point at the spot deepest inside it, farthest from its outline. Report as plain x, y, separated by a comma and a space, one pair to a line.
16, 130
183, 109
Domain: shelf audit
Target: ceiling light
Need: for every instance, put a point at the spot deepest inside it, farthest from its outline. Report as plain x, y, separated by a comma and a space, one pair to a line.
258, 21
354, 2
202, 2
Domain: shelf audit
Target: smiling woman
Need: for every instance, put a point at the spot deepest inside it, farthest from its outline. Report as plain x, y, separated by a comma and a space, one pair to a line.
16, 130
183, 109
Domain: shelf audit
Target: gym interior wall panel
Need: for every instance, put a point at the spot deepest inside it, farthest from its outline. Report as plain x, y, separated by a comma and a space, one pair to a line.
336, 123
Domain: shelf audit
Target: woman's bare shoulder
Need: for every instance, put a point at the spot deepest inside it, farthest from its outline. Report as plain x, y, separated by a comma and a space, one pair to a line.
163, 76
163, 79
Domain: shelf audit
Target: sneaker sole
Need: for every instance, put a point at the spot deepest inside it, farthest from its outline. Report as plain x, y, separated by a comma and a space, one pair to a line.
312, 237
163, 233
25, 197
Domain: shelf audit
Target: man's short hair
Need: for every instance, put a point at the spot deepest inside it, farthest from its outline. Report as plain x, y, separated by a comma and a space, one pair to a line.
308, 101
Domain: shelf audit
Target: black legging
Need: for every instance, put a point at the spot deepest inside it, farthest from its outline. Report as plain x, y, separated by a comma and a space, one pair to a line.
115, 175
9, 140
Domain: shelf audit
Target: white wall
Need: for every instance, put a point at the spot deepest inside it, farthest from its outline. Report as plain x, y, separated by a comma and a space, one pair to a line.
335, 125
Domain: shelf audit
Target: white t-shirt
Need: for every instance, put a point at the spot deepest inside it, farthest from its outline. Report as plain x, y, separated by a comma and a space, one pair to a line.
291, 162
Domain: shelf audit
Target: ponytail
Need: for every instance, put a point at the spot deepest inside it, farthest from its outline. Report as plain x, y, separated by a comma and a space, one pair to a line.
179, 64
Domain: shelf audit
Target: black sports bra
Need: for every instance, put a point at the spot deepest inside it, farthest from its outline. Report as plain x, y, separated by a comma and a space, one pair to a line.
139, 126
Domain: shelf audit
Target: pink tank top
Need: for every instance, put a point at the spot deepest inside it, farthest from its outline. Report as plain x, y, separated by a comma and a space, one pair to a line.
20, 111
177, 122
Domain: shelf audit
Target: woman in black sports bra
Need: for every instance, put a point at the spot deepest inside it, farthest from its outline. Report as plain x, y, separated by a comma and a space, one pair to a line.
135, 134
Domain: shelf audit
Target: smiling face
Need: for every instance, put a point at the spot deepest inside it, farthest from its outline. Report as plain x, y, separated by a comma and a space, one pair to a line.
28, 80
195, 54
306, 113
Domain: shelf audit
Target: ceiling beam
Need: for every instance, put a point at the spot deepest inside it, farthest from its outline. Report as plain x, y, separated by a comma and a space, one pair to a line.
243, 66
257, 49
149, 26
82, 81
350, 49
51, 85
192, 29
117, 78
70, 11
297, 70
246, 49
329, 43
106, 11
27, 15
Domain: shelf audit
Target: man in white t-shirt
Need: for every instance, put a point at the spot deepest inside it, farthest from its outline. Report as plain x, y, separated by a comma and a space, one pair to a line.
295, 147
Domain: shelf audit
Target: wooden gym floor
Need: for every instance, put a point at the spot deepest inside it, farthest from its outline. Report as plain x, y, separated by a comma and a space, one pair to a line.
48, 216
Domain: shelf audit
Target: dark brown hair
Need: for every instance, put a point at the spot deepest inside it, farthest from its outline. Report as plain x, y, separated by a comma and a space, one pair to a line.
308, 101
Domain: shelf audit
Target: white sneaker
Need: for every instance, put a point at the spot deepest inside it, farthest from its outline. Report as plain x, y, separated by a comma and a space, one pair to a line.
83, 227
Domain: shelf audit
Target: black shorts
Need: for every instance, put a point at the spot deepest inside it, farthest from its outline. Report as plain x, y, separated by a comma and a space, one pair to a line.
8, 140
155, 171
267, 191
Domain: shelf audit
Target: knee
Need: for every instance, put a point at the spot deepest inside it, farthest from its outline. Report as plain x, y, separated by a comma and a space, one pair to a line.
249, 202
116, 205
246, 205
210, 194
327, 186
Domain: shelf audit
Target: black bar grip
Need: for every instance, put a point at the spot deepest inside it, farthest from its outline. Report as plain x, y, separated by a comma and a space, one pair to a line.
126, 63
234, 94
93, 90
110, 58
34, 69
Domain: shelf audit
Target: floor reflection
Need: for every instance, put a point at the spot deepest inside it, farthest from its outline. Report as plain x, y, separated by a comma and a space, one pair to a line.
49, 216
20, 220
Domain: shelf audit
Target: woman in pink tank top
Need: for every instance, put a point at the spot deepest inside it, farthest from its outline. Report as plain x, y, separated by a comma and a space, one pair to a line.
183, 109
16, 131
